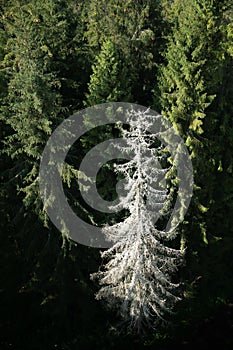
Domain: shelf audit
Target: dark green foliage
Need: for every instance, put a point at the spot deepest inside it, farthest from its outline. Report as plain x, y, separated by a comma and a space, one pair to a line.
109, 81
59, 56
195, 83
135, 28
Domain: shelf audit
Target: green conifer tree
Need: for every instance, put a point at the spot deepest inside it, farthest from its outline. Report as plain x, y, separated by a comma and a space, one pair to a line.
39, 86
195, 96
135, 28
40, 282
109, 81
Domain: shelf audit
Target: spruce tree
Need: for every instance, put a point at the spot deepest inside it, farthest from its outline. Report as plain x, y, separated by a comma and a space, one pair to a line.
195, 96
40, 282
188, 82
136, 279
135, 28
109, 81
36, 102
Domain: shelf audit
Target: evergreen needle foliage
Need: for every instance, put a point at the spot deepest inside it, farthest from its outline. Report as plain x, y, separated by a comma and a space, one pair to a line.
60, 56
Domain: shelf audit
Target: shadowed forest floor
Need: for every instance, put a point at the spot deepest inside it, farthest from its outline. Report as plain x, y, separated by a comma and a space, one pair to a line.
215, 331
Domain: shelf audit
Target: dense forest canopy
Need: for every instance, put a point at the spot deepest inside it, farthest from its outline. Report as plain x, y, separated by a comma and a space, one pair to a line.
58, 57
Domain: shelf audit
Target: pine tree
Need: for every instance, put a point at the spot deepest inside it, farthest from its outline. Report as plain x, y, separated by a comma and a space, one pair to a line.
195, 96
40, 282
124, 39
219, 214
135, 28
35, 102
137, 277
188, 85
109, 81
